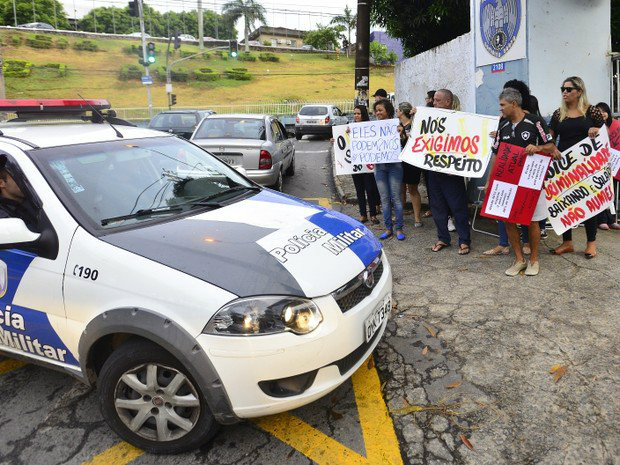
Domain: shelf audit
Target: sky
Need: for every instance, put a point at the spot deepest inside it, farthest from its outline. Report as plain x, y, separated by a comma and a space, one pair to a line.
294, 14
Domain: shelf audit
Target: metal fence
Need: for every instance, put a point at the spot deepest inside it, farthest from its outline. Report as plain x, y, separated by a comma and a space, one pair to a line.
273, 108
615, 84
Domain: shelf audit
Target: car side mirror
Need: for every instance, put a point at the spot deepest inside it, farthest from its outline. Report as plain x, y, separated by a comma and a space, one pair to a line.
13, 231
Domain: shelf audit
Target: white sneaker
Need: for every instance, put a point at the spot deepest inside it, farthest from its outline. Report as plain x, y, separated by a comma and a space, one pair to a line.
451, 226
532, 269
516, 268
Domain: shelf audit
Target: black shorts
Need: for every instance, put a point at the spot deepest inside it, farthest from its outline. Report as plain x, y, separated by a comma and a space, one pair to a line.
411, 174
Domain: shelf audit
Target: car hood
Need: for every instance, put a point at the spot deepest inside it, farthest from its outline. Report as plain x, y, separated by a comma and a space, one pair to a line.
270, 243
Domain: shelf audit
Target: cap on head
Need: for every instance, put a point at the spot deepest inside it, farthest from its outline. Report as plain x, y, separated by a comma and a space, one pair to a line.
380, 93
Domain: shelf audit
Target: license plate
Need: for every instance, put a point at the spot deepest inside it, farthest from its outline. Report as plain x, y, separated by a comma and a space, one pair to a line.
377, 317
230, 161
311, 121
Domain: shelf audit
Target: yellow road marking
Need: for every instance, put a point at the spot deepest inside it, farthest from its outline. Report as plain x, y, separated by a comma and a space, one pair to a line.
311, 442
120, 454
10, 365
379, 436
380, 439
322, 201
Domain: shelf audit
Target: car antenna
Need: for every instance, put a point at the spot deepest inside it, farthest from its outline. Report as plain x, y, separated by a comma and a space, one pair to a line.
98, 113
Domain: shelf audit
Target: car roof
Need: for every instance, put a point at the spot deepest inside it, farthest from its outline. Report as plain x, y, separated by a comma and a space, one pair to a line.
57, 135
239, 115
318, 105
169, 112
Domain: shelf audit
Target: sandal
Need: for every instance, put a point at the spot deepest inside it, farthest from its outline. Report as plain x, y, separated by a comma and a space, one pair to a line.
464, 249
560, 251
439, 246
498, 250
374, 220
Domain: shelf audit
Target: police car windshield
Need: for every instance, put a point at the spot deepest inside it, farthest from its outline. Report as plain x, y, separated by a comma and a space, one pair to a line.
108, 183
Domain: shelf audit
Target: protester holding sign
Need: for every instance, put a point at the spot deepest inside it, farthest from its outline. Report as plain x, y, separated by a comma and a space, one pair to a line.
365, 185
389, 177
447, 192
411, 174
531, 132
574, 121
606, 219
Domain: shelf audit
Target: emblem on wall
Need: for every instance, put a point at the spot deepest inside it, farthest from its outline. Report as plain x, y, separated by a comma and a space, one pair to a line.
500, 23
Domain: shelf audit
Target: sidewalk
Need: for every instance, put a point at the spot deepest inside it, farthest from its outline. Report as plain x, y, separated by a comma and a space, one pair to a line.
469, 351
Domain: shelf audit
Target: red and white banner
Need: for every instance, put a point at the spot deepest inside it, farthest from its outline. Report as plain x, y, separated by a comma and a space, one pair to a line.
614, 143
515, 185
579, 185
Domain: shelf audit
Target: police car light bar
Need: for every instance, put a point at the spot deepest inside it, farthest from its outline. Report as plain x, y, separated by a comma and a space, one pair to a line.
53, 105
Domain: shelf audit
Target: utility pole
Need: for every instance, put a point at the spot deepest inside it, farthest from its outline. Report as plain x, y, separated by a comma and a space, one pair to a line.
144, 60
2, 89
362, 55
201, 43
15, 13
55, 17
217, 21
113, 20
34, 13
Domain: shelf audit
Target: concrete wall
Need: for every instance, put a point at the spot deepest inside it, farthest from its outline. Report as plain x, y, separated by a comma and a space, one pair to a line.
450, 66
558, 49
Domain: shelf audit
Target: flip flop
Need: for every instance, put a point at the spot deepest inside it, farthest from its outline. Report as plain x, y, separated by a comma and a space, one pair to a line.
439, 246
464, 250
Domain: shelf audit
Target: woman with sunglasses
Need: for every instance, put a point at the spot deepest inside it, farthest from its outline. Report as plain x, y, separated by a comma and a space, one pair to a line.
575, 120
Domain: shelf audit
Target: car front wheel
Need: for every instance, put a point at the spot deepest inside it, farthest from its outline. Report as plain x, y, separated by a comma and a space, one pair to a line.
149, 399
298, 135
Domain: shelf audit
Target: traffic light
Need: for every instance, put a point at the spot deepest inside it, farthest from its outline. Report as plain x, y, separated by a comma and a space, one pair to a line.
173, 99
233, 48
345, 43
150, 53
134, 9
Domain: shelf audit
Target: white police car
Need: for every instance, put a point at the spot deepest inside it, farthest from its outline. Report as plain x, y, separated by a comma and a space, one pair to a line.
189, 295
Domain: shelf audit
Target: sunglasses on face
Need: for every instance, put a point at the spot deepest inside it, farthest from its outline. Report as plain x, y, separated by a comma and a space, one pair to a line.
568, 89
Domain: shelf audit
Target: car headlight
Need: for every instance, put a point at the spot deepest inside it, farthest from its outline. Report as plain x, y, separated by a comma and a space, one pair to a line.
256, 316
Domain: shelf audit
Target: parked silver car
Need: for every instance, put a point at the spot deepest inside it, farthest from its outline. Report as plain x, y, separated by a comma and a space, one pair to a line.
318, 120
256, 143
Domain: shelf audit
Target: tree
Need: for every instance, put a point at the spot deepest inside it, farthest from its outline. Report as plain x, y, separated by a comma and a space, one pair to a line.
348, 20
422, 24
379, 54
323, 38
110, 20
43, 12
251, 12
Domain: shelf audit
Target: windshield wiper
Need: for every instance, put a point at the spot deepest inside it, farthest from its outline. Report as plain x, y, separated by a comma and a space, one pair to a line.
142, 214
207, 200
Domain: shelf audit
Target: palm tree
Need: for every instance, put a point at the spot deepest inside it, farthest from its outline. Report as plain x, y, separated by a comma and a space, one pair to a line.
348, 20
251, 12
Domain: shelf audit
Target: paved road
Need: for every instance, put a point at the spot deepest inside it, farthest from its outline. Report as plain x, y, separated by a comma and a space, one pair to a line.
48, 418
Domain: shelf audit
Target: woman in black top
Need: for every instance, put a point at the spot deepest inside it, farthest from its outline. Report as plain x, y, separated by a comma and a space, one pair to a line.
575, 120
365, 184
411, 174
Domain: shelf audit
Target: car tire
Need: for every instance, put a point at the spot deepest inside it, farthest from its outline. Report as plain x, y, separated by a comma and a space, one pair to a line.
279, 182
298, 135
290, 171
170, 422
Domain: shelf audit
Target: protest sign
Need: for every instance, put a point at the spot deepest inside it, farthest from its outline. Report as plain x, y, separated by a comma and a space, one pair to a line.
515, 185
375, 142
579, 185
450, 142
614, 143
342, 153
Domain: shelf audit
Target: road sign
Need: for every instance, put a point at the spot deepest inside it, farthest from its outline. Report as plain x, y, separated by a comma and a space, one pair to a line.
147, 80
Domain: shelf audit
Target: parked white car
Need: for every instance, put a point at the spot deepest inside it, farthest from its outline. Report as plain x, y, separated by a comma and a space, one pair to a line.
318, 120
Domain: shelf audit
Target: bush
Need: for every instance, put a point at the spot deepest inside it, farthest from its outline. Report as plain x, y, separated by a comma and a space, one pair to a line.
86, 45
206, 56
62, 43
206, 75
267, 43
221, 55
268, 57
246, 56
179, 75
132, 50
39, 41
186, 54
129, 72
16, 68
61, 67
15, 40
238, 74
